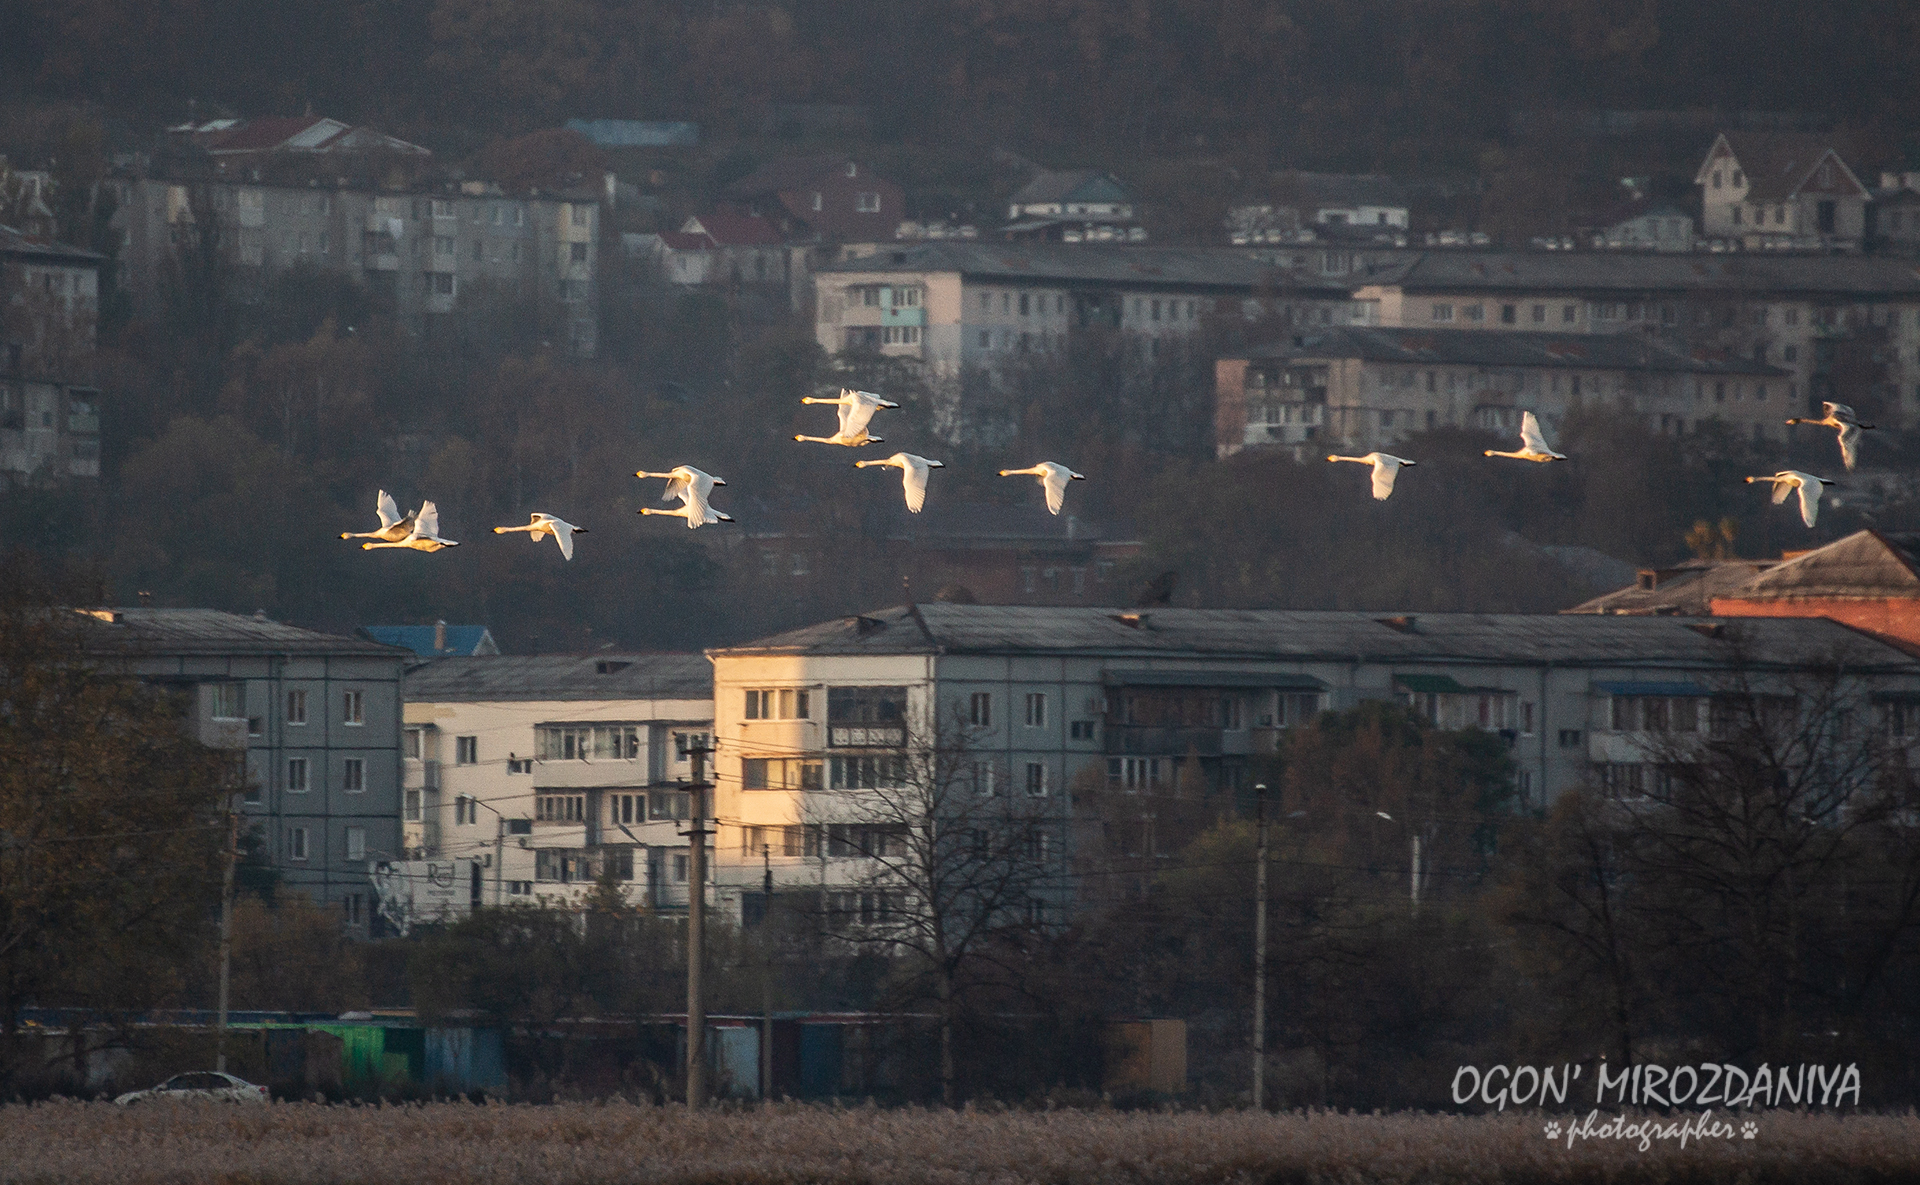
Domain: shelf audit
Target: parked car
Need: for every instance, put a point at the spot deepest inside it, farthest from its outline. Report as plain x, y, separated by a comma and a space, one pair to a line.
204, 1085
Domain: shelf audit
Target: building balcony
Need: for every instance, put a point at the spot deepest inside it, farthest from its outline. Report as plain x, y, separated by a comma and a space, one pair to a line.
1162, 741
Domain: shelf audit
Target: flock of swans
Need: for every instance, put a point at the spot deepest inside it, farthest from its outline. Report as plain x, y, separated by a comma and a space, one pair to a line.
420, 530
1534, 447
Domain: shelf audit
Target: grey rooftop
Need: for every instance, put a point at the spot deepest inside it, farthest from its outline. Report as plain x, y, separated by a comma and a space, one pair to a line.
604, 676
211, 631
1731, 275
1287, 635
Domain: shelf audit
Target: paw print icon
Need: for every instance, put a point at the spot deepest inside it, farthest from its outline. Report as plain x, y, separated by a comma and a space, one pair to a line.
1749, 1130
1553, 1131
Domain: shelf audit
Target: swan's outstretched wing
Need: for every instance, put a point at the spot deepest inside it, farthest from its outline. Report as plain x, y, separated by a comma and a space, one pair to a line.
426, 523
1781, 489
913, 479
1810, 490
1055, 480
388, 510
563, 535
855, 414
676, 488
1531, 436
1385, 469
1837, 411
1849, 444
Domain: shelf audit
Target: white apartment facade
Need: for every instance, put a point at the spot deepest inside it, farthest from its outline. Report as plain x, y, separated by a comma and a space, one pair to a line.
548, 771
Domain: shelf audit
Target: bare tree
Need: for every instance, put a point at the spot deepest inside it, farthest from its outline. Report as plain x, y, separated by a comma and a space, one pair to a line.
949, 860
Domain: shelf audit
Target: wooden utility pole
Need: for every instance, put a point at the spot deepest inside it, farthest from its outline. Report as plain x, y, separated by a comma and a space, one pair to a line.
766, 981
226, 934
1260, 953
697, 928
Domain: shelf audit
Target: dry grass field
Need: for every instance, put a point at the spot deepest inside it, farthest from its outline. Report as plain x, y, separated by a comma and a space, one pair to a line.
535, 1145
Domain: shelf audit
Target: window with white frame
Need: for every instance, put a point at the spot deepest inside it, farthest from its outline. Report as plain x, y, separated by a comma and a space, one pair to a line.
356, 843
227, 701
353, 708
465, 810
410, 744
980, 709
560, 808
411, 806
296, 775
866, 203
1442, 312
1036, 709
787, 703
353, 774
466, 750
1036, 779
297, 843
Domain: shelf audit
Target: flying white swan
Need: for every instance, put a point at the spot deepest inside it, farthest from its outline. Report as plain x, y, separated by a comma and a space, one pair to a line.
1386, 467
393, 528
856, 409
1788, 480
1054, 476
426, 532
559, 530
1533, 444
695, 513
1841, 417
693, 488
913, 475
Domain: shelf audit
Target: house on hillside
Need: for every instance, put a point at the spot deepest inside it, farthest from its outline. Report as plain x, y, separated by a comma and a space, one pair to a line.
1305, 207
1074, 206
830, 199
1771, 190
1640, 226
1894, 218
722, 247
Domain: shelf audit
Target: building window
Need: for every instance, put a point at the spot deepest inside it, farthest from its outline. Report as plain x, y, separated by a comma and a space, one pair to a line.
353, 774
411, 807
1509, 314
1570, 313
627, 808
866, 203
576, 252
228, 701
1081, 730
296, 843
1443, 312
1569, 738
785, 704
980, 709
577, 215
560, 808
1036, 779
410, 744
1037, 709
466, 750
296, 775
780, 773
1475, 312
1132, 774
353, 708
816, 206
1526, 718
356, 846
464, 809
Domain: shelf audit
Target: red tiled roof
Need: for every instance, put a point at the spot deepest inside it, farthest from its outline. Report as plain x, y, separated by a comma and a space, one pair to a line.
733, 228
790, 173
262, 135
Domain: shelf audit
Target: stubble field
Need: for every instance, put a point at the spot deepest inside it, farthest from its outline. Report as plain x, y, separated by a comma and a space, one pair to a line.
569, 1143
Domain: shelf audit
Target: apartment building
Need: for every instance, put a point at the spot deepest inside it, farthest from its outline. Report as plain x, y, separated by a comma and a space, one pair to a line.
1054, 702
352, 203
1365, 388
1843, 327
542, 773
316, 719
49, 405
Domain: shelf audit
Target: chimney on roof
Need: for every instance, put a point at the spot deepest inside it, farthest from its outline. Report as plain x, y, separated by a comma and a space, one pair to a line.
1134, 620
146, 598
260, 615
1406, 623
439, 635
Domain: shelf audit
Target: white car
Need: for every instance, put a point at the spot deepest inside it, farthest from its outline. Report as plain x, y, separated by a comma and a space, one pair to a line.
202, 1085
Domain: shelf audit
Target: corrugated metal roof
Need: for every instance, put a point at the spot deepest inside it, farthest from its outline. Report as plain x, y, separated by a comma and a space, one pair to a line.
17, 242
1865, 565
1687, 588
607, 676
1740, 274
210, 631
1313, 635
1480, 347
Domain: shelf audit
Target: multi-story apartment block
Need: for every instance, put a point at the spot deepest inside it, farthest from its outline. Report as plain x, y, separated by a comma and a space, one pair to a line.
549, 771
1842, 327
1059, 704
1368, 388
49, 406
1771, 190
315, 717
424, 246
964, 309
